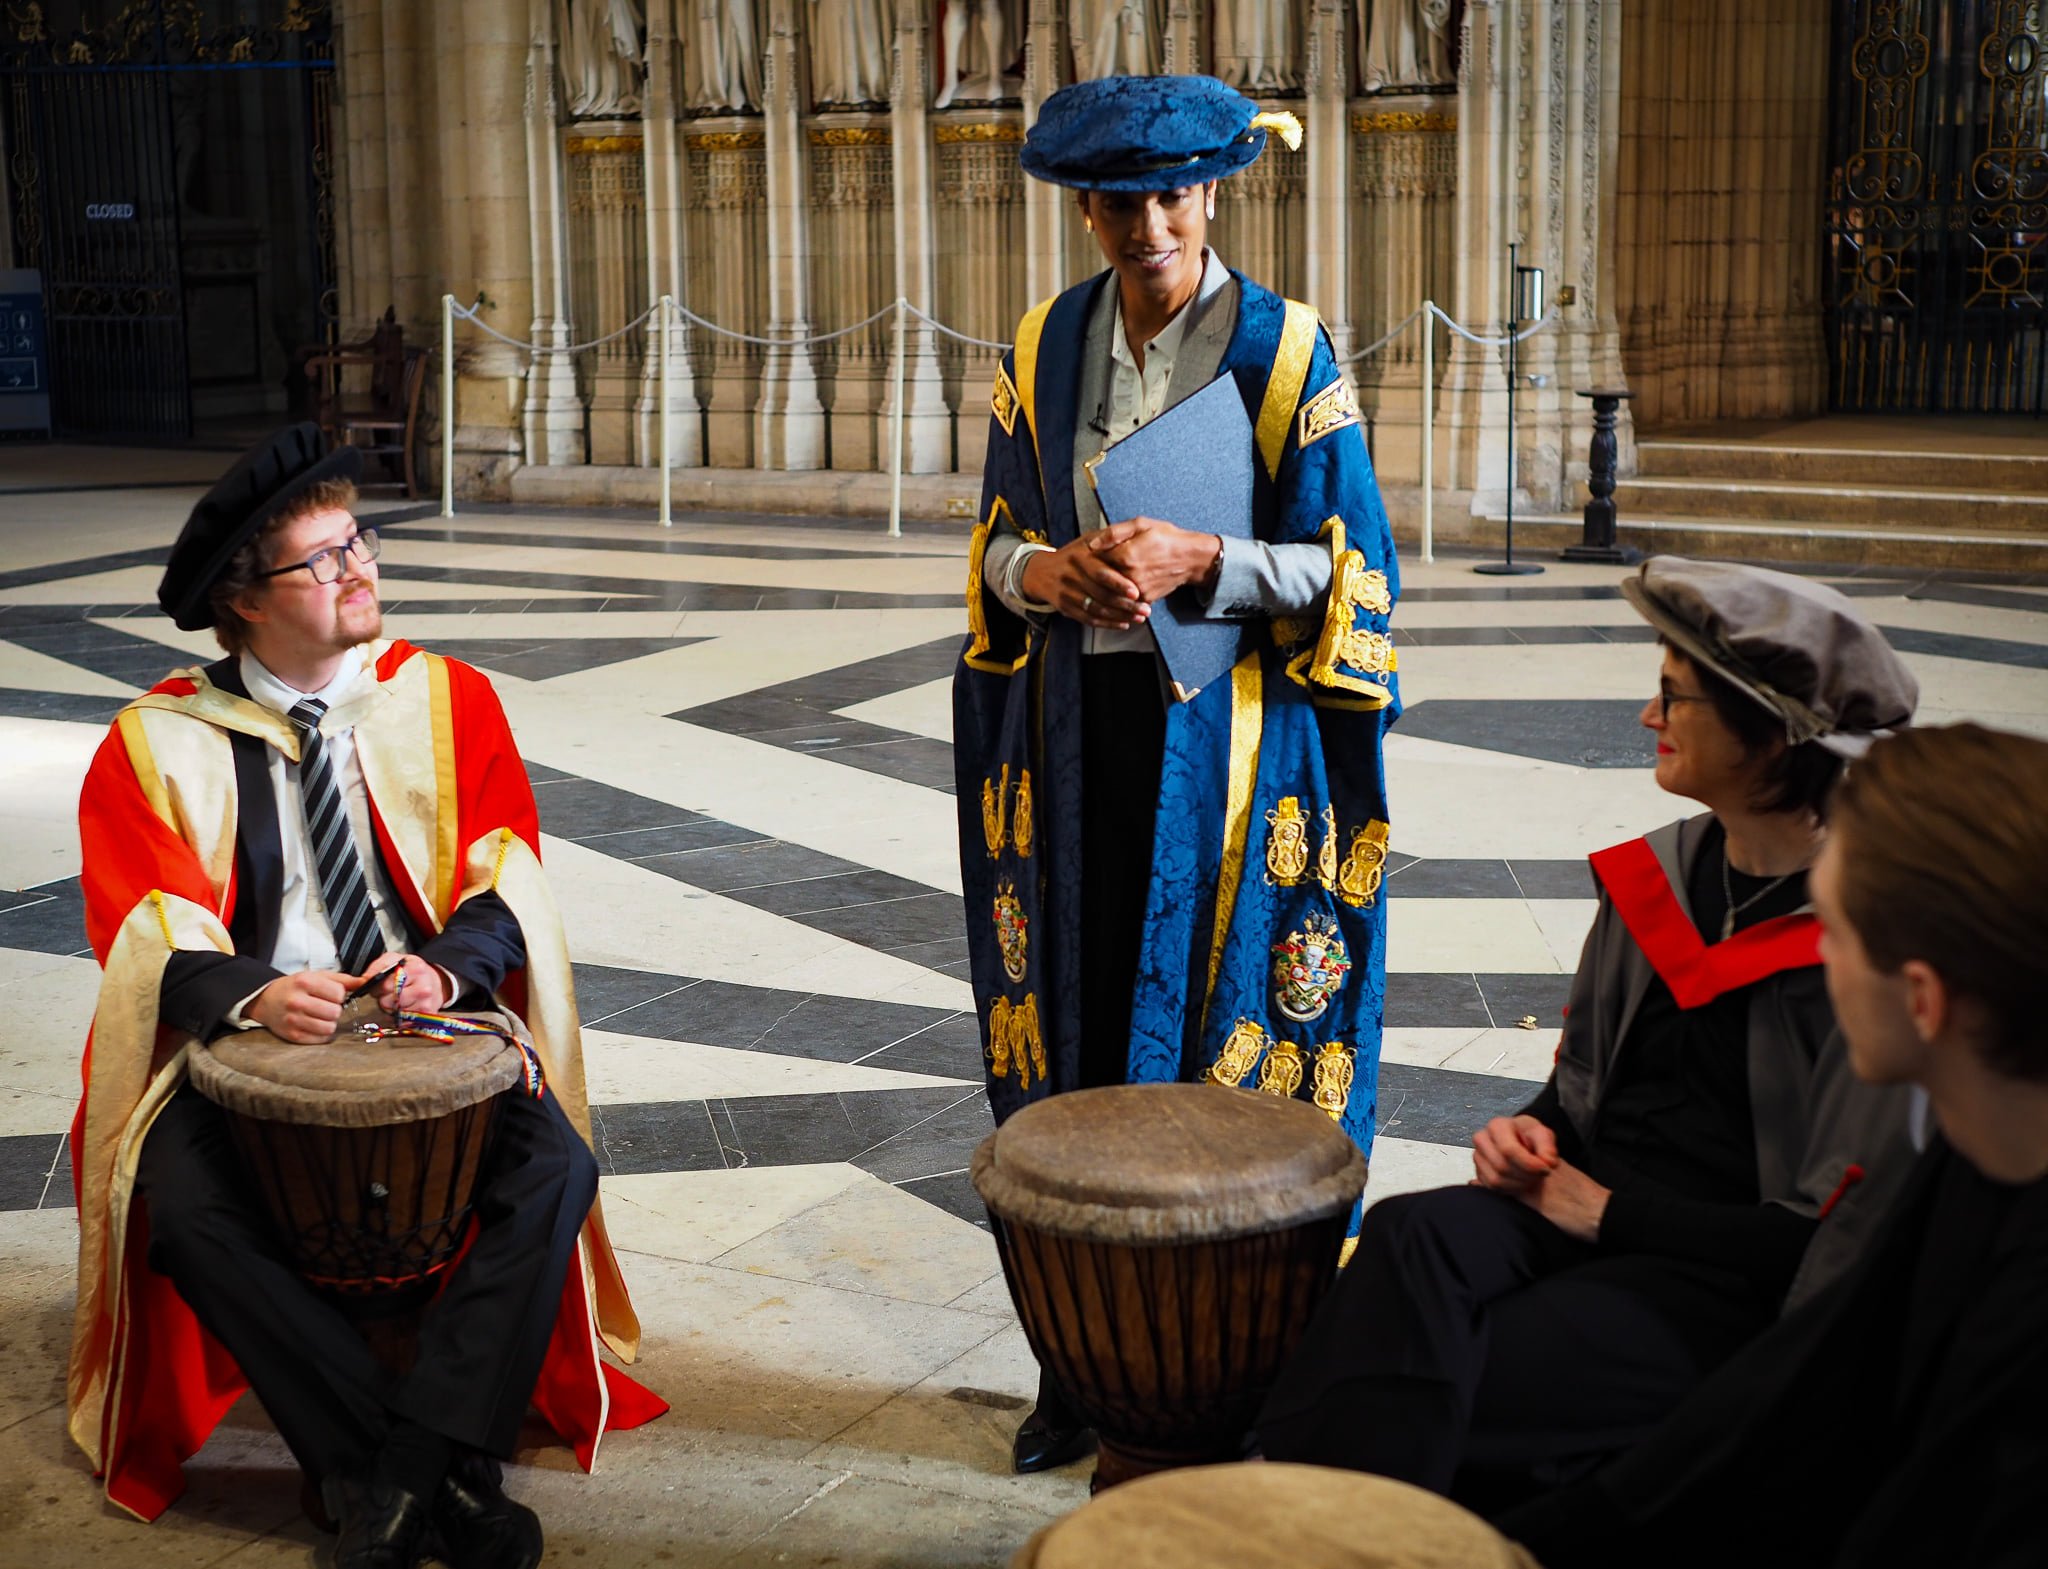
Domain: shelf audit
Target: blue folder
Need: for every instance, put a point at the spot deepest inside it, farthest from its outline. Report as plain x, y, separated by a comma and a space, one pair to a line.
1192, 466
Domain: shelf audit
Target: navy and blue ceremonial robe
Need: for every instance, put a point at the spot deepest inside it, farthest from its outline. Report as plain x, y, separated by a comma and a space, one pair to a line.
1263, 958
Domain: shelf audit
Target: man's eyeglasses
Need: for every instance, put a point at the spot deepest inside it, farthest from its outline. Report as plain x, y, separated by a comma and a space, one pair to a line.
325, 565
1666, 697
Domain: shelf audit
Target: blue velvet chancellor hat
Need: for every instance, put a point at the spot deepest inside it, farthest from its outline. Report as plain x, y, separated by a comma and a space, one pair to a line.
1148, 133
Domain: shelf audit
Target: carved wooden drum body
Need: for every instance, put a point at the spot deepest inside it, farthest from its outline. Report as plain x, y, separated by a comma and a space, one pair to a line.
365, 1152
1165, 1245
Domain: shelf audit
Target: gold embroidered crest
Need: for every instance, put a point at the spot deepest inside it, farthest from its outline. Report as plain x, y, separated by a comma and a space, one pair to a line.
1363, 650
1287, 842
1003, 401
1368, 590
1281, 1074
1326, 857
1288, 630
1309, 967
994, 798
1240, 1054
1365, 865
1334, 1072
1027, 1044
1012, 929
1020, 814
999, 1013
1329, 410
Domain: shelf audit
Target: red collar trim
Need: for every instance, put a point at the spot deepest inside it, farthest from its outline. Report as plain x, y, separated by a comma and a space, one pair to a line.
1696, 973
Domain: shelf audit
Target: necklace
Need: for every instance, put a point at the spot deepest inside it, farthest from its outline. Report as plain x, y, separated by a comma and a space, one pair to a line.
1728, 893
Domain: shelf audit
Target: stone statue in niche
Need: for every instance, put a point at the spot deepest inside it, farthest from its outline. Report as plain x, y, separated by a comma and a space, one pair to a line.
722, 58
849, 53
1114, 37
601, 56
981, 51
1405, 43
1256, 48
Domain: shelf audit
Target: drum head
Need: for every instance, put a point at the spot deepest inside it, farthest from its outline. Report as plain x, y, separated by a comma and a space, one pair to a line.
1270, 1517
351, 1082
1167, 1163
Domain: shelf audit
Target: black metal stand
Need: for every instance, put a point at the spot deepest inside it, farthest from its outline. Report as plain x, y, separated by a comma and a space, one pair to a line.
1597, 543
1510, 567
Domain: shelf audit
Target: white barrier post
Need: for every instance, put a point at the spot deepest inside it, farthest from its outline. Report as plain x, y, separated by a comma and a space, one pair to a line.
896, 431
665, 314
447, 405
1428, 432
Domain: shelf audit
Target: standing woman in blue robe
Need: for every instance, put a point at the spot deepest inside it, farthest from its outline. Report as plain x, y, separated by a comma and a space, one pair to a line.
1161, 885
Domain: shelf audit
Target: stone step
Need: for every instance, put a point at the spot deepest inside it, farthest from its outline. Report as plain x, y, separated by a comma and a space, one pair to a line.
1912, 467
1738, 539
1926, 508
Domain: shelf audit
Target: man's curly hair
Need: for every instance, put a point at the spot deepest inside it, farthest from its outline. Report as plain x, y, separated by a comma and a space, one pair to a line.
253, 557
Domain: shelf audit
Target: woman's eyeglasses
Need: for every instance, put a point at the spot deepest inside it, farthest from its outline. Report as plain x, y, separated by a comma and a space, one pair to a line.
1666, 697
325, 565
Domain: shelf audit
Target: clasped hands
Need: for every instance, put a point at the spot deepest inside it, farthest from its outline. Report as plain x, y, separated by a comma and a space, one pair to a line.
1517, 1156
1113, 577
306, 1008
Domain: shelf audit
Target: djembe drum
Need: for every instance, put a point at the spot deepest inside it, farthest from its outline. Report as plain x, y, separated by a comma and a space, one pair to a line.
1165, 1245
1270, 1517
364, 1151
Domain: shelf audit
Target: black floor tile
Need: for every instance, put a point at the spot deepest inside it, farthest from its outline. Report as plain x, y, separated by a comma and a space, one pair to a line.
636, 844
844, 890
786, 1023
25, 1162
1511, 998
952, 1193
572, 808
944, 1140
1554, 879
757, 864
1956, 645
1592, 733
1454, 879
1443, 1105
540, 660
603, 989
1432, 1001
656, 1136
19, 703
899, 923
916, 759
52, 924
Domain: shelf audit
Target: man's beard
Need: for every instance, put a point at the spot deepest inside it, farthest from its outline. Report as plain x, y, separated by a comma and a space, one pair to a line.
353, 635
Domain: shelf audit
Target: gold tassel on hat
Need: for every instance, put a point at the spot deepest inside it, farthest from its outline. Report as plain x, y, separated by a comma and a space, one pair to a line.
1281, 124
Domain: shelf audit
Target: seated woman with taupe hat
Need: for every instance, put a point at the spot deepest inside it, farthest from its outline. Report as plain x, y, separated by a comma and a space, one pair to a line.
1701, 1153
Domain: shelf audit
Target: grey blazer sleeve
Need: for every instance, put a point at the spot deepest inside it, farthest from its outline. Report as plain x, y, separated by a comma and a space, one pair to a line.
1002, 569
1258, 579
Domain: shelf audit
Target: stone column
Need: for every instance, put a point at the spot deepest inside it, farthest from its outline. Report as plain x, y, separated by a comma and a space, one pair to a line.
608, 265
1328, 145
554, 411
1471, 419
1405, 153
488, 207
1047, 215
363, 197
927, 425
1180, 49
789, 421
663, 181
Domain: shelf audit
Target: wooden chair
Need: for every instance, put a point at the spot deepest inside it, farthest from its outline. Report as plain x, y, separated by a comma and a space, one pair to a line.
385, 422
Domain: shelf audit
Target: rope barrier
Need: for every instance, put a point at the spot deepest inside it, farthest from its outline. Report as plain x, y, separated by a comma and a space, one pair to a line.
937, 325
471, 314
1470, 336
689, 315
1379, 343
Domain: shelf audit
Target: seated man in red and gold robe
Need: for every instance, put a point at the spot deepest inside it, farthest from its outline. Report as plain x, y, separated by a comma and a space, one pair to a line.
318, 813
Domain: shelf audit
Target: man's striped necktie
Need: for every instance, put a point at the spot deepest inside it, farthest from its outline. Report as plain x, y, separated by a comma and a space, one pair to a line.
357, 940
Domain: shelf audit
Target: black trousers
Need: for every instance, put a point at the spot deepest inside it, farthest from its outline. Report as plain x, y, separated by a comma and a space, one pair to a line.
1123, 741
481, 1342
1474, 1349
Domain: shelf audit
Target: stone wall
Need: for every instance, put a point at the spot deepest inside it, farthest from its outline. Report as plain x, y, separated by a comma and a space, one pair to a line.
505, 149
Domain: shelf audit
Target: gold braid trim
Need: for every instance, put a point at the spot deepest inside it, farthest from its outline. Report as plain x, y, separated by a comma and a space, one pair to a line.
1343, 642
977, 655
1247, 715
1283, 386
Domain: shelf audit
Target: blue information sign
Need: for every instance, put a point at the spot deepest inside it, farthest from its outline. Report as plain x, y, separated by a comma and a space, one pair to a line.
24, 352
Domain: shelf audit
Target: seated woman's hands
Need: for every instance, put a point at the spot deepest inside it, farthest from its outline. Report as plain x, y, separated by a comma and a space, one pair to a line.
1517, 1156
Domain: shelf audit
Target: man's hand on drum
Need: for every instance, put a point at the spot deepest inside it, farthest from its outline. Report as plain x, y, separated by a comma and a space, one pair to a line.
1158, 557
424, 987
305, 1007
1078, 582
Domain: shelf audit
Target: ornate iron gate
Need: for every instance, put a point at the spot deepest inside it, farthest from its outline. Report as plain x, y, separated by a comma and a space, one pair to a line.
1937, 219
91, 111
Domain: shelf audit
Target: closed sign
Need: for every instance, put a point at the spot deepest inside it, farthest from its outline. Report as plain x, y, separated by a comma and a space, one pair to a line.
113, 210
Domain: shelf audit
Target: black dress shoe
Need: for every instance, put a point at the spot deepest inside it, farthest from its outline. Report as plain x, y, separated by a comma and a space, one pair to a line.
1041, 1445
479, 1527
382, 1525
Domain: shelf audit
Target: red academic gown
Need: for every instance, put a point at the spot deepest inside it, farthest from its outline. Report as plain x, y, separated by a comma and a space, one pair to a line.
453, 815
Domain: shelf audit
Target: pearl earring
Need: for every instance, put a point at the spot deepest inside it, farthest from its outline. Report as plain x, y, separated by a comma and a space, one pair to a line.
1088, 224
1212, 208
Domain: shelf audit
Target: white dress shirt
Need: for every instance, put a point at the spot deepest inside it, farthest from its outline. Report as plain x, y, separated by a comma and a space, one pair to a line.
305, 939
